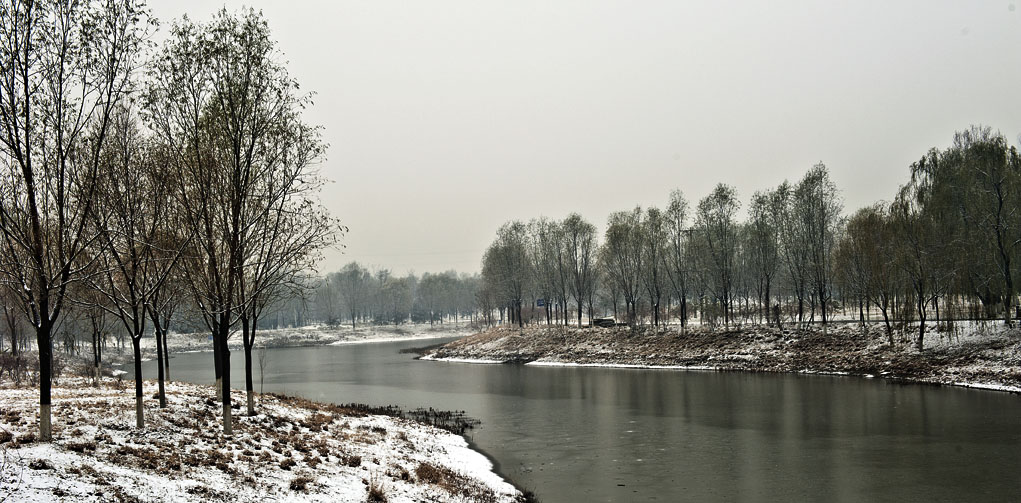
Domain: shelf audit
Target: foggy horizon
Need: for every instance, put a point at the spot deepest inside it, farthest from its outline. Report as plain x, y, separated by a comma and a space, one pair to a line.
446, 120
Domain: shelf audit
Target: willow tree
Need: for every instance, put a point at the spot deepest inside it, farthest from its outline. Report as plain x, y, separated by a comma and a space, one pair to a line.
921, 248
64, 67
865, 258
975, 187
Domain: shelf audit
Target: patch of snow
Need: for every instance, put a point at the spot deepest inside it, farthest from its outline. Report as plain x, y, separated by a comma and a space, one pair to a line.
541, 363
416, 337
991, 387
461, 360
98, 455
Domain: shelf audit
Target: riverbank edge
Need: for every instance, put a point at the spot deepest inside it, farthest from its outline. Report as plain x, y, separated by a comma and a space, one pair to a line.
303, 337
483, 348
64, 453
702, 368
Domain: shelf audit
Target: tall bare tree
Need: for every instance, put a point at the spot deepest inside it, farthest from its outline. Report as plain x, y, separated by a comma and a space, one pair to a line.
621, 256
581, 247
717, 229
818, 208
654, 240
64, 66
505, 267
129, 218
763, 248
678, 268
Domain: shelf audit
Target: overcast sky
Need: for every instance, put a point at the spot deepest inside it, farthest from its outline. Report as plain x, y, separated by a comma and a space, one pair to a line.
447, 118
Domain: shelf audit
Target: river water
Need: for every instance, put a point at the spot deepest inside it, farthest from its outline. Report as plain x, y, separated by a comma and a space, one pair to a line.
595, 434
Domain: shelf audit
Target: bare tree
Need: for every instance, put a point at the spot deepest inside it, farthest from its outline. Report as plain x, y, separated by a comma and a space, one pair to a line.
505, 267
717, 230
287, 228
677, 266
64, 66
229, 114
580, 242
621, 256
763, 248
654, 230
818, 208
134, 191
353, 283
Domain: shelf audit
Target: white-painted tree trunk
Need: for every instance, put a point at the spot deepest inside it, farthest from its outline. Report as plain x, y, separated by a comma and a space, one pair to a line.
227, 430
45, 433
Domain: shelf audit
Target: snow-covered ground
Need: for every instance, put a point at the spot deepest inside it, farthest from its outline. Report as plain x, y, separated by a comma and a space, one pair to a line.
980, 355
313, 335
293, 450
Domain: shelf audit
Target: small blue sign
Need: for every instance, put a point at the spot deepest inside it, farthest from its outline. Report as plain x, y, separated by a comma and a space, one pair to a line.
540, 302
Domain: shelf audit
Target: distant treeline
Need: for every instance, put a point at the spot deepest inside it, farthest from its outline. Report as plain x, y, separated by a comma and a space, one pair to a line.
944, 248
357, 295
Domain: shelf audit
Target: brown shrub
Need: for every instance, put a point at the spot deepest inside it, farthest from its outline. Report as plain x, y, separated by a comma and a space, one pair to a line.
312, 461
455, 483
301, 483
81, 446
376, 493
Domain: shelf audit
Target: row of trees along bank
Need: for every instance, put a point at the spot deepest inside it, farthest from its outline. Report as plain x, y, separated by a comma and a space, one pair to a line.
137, 176
945, 248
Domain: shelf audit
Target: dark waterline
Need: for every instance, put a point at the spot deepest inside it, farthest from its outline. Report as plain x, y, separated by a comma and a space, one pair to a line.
593, 434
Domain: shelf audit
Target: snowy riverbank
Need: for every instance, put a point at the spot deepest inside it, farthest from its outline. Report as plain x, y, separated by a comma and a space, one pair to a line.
314, 335
293, 450
980, 356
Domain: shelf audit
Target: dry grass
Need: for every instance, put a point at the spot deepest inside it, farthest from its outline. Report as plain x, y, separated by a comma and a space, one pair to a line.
377, 493
293, 445
454, 483
840, 347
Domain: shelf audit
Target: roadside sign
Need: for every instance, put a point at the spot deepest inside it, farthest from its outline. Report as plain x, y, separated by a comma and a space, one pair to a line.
540, 302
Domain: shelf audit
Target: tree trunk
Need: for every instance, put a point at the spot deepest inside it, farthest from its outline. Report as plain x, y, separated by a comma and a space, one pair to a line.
139, 416
684, 310
166, 349
43, 331
95, 357
225, 373
248, 335
217, 362
886, 320
159, 366
921, 324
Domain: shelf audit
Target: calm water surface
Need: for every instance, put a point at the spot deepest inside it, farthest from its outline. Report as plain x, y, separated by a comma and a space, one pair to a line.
591, 434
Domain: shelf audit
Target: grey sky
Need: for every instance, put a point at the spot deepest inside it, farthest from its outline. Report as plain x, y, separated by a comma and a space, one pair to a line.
448, 118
